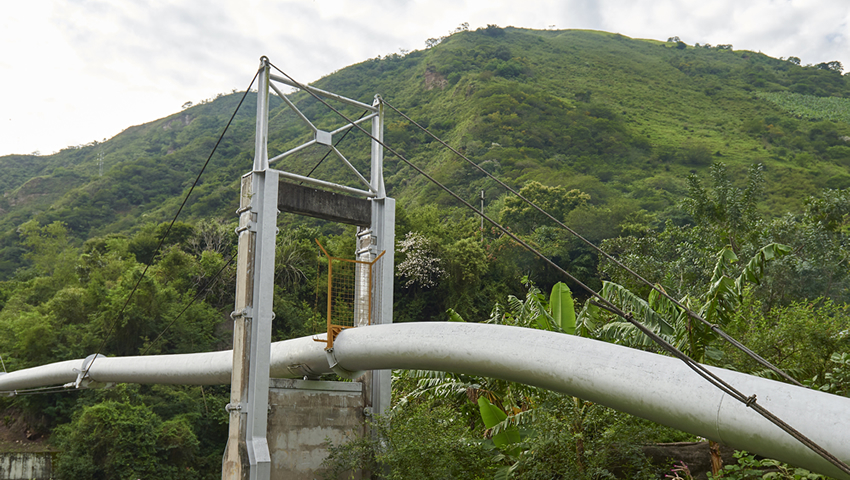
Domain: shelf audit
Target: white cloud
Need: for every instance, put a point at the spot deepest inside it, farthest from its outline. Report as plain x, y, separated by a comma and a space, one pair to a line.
815, 30
78, 71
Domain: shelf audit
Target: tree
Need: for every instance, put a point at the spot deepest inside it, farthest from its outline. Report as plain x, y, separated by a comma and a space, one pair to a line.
114, 440
424, 441
831, 209
49, 248
833, 66
793, 60
730, 212
820, 266
557, 201
800, 338
494, 30
421, 266
676, 325
717, 304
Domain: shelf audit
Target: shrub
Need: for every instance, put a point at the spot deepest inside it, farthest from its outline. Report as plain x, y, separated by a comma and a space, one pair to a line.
117, 440
427, 441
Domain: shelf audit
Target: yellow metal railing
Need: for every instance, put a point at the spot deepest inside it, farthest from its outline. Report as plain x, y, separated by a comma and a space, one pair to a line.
347, 280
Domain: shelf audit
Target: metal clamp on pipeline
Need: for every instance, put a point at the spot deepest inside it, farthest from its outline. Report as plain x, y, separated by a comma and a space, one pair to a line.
333, 363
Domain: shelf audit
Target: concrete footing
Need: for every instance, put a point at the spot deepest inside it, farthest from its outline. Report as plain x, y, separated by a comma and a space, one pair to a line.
303, 416
26, 466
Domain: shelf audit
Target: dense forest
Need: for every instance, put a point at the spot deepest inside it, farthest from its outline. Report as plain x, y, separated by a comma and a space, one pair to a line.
721, 176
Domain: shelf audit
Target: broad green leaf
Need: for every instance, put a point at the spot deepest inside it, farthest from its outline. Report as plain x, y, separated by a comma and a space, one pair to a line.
661, 304
492, 416
504, 473
725, 258
754, 271
588, 320
454, 316
563, 310
643, 313
725, 294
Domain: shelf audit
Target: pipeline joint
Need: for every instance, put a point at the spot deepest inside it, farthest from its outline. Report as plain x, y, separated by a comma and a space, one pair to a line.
83, 377
333, 363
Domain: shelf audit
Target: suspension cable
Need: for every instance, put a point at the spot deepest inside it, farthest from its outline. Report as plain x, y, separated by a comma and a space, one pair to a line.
750, 401
716, 329
168, 230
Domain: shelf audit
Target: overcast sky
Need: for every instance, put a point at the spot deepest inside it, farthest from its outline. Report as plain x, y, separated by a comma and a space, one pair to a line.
75, 71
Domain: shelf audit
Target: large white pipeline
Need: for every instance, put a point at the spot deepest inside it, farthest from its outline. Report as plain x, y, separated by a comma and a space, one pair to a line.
655, 387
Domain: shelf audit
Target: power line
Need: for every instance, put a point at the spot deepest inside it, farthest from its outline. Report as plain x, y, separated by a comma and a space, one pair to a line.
749, 401
173, 220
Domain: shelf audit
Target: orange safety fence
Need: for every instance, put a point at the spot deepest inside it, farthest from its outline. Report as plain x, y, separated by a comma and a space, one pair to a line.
349, 290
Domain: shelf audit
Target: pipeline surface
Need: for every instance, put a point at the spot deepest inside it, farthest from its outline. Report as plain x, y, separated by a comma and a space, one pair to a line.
651, 386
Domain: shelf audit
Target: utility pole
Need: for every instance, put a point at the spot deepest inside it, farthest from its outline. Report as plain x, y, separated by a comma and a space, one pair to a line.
481, 197
247, 454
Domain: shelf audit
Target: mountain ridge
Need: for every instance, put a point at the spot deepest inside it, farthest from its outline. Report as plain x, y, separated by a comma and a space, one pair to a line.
621, 119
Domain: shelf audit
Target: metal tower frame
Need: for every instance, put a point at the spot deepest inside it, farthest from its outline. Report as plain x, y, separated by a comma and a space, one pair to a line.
247, 453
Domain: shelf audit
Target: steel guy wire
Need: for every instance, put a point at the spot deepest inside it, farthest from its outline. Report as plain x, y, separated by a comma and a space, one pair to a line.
202, 292
750, 401
335, 145
173, 220
640, 278
41, 390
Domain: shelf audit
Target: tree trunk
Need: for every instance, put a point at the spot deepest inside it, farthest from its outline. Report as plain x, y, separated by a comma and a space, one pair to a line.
716, 459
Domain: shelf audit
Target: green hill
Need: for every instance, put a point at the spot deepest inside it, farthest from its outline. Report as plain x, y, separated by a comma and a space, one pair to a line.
624, 120
602, 130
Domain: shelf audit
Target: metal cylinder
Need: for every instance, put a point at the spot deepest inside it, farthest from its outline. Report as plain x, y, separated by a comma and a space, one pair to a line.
651, 386
647, 385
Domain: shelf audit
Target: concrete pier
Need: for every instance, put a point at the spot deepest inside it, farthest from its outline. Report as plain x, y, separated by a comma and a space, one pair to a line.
303, 416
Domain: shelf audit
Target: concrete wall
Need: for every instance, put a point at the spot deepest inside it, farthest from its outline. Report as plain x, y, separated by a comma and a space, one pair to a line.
26, 466
297, 408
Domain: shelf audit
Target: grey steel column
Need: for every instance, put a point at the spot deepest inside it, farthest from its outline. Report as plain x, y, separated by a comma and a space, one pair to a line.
247, 454
383, 228
377, 172
383, 231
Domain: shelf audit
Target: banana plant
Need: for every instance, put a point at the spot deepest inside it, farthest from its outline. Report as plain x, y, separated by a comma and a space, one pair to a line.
675, 324
503, 407
671, 322
533, 312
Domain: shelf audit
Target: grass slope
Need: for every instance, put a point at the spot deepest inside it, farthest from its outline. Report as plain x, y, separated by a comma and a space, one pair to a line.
624, 120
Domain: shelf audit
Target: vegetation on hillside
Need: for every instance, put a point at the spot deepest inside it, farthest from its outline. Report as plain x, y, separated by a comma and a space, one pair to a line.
720, 175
